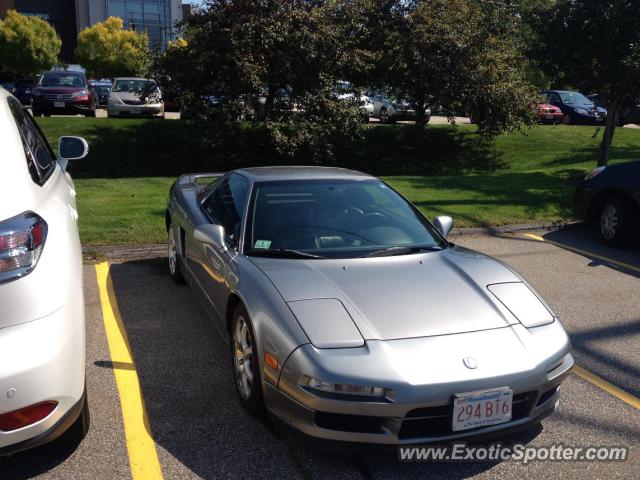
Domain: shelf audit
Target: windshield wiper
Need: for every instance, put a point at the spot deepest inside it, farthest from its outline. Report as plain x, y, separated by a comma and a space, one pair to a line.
402, 250
283, 252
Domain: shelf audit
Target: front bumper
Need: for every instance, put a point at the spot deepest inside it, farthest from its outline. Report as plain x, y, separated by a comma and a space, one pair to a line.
582, 202
43, 360
63, 107
544, 117
422, 409
154, 110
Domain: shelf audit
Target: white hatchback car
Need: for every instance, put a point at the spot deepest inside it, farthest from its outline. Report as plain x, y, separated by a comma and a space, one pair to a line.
42, 331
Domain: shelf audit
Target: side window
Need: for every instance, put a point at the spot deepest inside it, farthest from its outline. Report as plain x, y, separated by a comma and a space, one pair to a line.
226, 204
555, 98
40, 158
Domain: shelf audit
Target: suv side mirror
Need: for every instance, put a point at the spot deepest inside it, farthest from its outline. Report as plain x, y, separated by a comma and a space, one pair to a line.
444, 224
211, 235
71, 148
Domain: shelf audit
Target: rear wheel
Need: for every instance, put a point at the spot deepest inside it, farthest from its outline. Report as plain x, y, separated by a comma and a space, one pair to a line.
173, 257
618, 222
245, 364
79, 429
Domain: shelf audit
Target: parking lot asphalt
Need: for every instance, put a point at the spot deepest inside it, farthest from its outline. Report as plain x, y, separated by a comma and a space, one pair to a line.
200, 430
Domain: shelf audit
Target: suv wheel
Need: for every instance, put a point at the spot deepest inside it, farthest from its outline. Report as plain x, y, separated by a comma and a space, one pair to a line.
618, 222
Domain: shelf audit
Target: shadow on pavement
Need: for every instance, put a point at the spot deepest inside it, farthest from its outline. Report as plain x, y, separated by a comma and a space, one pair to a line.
185, 375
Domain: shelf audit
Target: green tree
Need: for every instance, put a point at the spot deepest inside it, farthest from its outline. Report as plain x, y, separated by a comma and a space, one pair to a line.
593, 45
463, 56
28, 44
108, 50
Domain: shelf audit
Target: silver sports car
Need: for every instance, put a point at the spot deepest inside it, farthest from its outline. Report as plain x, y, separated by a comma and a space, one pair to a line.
352, 318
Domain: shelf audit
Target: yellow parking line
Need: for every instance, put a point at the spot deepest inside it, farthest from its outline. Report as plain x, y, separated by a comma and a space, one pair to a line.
143, 457
607, 387
584, 252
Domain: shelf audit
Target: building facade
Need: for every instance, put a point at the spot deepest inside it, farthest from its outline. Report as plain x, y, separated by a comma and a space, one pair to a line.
60, 13
156, 17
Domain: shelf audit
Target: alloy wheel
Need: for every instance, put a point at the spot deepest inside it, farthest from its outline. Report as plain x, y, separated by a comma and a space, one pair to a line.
609, 222
243, 356
173, 252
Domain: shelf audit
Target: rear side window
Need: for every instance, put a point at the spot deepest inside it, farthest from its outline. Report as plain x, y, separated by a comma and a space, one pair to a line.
40, 158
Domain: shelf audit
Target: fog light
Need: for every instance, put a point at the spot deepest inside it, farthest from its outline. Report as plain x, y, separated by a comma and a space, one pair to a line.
26, 416
346, 391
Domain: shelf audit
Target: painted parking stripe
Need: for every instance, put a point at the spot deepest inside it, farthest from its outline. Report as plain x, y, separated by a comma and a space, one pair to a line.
143, 457
584, 252
578, 370
606, 386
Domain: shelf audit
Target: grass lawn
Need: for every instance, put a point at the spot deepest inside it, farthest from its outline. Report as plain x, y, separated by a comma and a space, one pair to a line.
518, 178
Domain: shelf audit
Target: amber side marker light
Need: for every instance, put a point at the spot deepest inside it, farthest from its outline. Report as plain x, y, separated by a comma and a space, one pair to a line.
271, 360
26, 416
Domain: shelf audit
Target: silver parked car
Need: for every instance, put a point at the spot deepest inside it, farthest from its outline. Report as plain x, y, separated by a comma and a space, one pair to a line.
388, 111
352, 318
135, 97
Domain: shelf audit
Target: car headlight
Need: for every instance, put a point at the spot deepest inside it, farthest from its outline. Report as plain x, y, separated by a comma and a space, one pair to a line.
347, 391
522, 303
595, 172
80, 93
581, 111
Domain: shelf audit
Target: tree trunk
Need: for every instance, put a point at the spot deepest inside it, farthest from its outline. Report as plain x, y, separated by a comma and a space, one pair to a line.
609, 130
269, 101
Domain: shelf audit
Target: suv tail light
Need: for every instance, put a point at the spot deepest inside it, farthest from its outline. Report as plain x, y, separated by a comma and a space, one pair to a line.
21, 242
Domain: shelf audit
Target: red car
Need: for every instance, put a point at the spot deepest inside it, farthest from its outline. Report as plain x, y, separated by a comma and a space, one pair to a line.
64, 93
548, 113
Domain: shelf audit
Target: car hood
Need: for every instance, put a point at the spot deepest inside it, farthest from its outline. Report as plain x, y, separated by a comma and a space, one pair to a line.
128, 96
421, 295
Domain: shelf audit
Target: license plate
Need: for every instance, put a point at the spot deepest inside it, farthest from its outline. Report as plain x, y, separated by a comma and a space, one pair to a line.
549, 117
58, 104
481, 409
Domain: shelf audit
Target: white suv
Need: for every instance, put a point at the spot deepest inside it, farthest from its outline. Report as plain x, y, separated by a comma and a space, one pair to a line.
42, 332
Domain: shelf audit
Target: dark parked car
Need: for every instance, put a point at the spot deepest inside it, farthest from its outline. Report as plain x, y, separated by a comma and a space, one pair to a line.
64, 93
103, 89
577, 108
629, 112
611, 195
24, 89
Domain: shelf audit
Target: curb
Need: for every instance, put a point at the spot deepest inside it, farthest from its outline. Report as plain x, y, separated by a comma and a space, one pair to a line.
96, 253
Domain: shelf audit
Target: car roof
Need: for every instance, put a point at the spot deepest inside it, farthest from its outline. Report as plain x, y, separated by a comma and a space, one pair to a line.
274, 174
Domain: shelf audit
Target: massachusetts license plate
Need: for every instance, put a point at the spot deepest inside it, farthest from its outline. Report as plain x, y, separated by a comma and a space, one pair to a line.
481, 409
58, 104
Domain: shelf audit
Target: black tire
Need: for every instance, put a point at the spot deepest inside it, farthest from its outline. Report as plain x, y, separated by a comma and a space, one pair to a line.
618, 222
79, 429
173, 258
251, 400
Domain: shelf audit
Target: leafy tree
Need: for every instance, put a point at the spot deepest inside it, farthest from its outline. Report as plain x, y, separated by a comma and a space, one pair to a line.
108, 50
593, 45
28, 44
461, 55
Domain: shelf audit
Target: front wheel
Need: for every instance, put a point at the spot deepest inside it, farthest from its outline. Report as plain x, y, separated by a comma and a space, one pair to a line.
618, 222
245, 364
567, 119
173, 258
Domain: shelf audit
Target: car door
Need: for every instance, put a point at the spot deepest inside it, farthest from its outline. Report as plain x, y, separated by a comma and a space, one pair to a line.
214, 268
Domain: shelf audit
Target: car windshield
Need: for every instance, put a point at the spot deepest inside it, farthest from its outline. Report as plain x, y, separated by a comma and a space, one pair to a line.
575, 98
134, 86
335, 219
62, 79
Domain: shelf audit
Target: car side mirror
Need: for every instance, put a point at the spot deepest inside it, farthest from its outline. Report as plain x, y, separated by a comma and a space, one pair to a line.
444, 224
211, 235
71, 148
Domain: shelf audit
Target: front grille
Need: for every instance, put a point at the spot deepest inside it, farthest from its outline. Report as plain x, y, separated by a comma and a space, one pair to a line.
436, 421
133, 102
59, 97
348, 423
